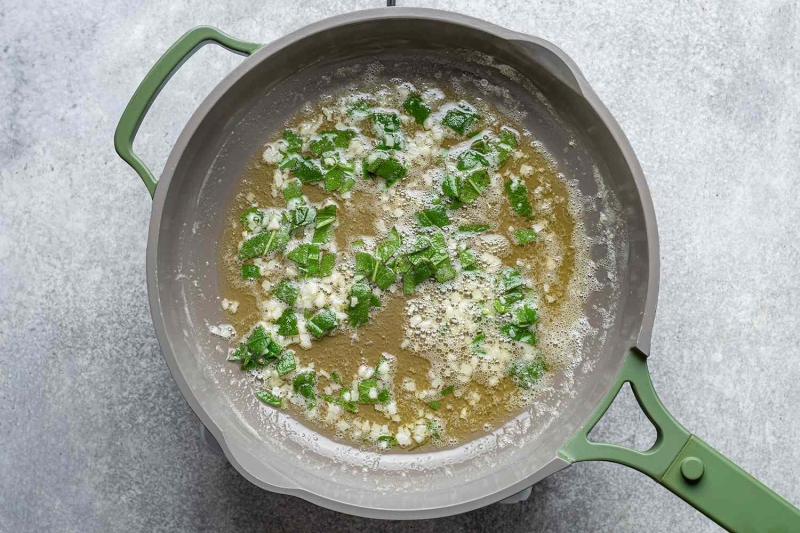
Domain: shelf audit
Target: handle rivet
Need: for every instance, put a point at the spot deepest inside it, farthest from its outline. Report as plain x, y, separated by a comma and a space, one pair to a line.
692, 468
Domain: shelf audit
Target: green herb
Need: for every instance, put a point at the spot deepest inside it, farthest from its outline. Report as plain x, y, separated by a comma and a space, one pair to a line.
305, 169
269, 398
417, 108
239, 354
503, 304
348, 405
287, 323
460, 119
322, 323
448, 390
286, 291
329, 140
385, 123
364, 386
506, 144
293, 142
389, 246
525, 236
257, 351
303, 384
436, 216
325, 219
286, 363
260, 344
474, 228
250, 272
388, 439
301, 216
435, 404
293, 190
468, 261
508, 137
254, 246
335, 179
481, 146
360, 111
470, 159
427, 257
466, 190
435, 428
264, 243
311, 262
386, 167
478, 344
348, 184
336, 378
375, 268
527, 373
360, 304
511, 278
444, 270
518, 197
418, 274
517, 333
252, 219
524, 315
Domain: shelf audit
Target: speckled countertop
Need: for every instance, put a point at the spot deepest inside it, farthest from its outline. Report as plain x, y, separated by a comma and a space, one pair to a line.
94, 435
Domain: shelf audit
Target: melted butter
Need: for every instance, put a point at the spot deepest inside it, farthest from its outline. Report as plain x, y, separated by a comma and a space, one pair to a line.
553, 264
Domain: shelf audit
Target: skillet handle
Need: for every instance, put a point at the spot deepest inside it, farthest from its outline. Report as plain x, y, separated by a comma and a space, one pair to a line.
684, 464
155, 80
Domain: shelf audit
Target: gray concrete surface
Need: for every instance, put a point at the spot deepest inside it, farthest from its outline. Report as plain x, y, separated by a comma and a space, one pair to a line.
94, 435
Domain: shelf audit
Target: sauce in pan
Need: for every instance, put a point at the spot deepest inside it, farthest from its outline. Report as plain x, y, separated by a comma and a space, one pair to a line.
402, 268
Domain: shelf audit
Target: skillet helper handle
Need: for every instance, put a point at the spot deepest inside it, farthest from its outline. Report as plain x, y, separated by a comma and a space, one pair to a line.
155, 80
684, 464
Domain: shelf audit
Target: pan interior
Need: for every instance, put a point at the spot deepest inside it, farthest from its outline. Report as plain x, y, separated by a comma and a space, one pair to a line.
251, 106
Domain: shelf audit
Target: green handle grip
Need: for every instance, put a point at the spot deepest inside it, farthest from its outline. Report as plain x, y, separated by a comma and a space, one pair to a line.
155, 80
684, 464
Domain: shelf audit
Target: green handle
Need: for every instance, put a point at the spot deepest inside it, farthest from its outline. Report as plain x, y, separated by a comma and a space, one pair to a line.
155, 80
684, 464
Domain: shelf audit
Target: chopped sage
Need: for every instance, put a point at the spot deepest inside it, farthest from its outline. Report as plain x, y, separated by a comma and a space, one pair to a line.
417, 108
525, 236
324, 228
311, 262
286, 363
385, 123
252, 219
518, 197
468, 261
322, 323
466, 190
287, 323
269, 398
286, 291
386, 167
305, 169
436, 216
527, 373
294, 144
250, 272
330, 140
376, 268
293, 190
360, 304
303, 384
461, 118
